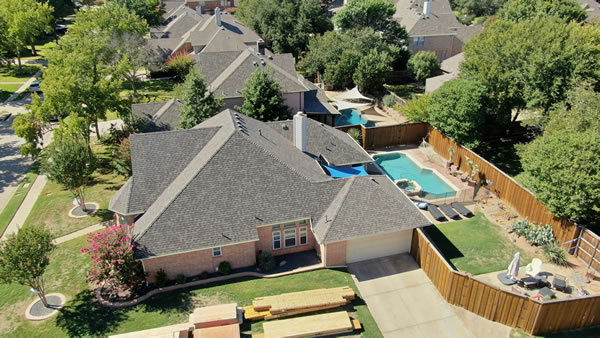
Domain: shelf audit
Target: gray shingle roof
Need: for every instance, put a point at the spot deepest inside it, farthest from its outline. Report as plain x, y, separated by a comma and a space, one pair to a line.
238, 173
335, 146
348, 217
162, 115
209, 34
228, 79
315, 100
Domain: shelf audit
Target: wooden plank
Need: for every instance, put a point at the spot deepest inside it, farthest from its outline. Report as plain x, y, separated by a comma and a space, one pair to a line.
323, 324
251, 314
299, 311
356, 324
303, 299
224, 331
215, 315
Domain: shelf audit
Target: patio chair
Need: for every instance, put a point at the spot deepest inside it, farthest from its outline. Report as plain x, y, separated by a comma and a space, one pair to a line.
559, 282
461, 209
534, 267
436, 213
464, 177
449, 211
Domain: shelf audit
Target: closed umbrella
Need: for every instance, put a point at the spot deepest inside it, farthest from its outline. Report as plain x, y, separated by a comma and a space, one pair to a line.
513, 267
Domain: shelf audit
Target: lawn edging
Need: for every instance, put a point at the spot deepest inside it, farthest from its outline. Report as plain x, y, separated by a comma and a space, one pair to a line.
120, 305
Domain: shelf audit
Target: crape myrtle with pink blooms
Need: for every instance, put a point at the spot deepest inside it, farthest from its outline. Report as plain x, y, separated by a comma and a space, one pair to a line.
113, 263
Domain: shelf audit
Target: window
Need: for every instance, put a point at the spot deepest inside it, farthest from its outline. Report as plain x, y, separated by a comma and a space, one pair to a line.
276, 240
302, 222
303, 236
276, 227
419, 41
289, 225
290, 238
216, 252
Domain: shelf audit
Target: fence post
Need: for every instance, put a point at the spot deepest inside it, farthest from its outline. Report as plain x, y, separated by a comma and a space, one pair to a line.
592, 259
581, 232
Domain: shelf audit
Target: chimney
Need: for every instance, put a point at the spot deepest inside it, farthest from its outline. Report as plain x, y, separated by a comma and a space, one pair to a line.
260, 47
218, 16
199, 10
300, 122
427, 9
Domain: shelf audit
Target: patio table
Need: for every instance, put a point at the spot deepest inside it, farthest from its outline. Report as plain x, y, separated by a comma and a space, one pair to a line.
529, 282
546, 292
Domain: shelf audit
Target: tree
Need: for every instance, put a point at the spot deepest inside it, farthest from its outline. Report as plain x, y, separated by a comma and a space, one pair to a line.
470, 9
180, 63
339, 73
563, 170
262, 98
150, 10
457, 109
112, 253
531, 64
424, 65
30, 127
72, 127
521, 10
578, 113
62, 8
200, 104
24, 258
132, 55
372, 69
71, 164
287, 25
121, 157
417, 108
25, 20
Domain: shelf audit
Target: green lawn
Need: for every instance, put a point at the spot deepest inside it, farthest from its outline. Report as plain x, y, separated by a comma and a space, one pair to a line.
12, 74
406, 91
475, 245
8, 90
81, 317
149, 91
13, 204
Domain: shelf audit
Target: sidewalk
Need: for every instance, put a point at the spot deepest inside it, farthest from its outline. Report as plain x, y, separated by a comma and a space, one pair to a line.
23, 87
25, 208
79, 233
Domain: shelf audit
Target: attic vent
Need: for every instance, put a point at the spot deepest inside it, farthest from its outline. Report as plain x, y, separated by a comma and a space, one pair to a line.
254, 63
262, 62
372, 179
270, 57
453, 29
285, 127
244, 131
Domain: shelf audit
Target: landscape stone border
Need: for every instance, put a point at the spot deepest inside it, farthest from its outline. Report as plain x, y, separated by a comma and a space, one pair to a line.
154, 292
29, 316
88, 204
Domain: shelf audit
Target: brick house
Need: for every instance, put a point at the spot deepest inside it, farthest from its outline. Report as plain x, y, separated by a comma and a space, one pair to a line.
233, 186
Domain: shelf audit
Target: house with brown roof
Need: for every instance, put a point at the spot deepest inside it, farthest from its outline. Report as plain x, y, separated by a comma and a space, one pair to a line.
233, 187
432, 26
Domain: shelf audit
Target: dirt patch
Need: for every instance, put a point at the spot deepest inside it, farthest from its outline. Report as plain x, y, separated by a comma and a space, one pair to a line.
11, 315
200, 300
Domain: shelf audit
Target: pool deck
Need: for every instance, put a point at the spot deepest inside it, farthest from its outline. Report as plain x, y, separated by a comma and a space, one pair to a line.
429, 159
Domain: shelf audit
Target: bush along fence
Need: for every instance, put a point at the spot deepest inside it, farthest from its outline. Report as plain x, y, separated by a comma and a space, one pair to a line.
518, 311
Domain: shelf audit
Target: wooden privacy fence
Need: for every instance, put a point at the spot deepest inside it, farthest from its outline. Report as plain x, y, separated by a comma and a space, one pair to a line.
505, 187
505, 307
378, 137
588, 249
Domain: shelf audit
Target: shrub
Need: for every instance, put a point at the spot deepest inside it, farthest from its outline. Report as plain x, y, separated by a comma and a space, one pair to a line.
266, 261
389, 100
356, 135
181, 279
180, 64
555, 254
535, 235
224, 267
160, 279
204, 275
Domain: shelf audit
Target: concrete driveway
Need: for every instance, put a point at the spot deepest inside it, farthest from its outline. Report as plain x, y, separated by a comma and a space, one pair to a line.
403, 301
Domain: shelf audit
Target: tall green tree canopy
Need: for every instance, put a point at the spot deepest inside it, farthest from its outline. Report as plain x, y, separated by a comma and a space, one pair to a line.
199, 103
262, 98
458, 108
533, 63
24, 258
150, 10
25, 21
476, 8
371, 70
424, 65
521, 10
286, 24
71, 162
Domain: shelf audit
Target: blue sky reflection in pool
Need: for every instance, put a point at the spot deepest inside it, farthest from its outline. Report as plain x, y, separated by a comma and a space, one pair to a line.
398, 166
352, 117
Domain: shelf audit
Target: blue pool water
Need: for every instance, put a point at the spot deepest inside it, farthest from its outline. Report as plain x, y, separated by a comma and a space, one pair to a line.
352, 117
398, 166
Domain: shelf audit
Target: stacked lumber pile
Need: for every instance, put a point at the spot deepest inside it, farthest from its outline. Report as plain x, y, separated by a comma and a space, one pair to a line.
310, 326
216, 315
290, 304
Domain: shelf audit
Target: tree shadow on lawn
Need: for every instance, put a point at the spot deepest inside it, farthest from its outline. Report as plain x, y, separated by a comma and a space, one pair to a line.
446, 247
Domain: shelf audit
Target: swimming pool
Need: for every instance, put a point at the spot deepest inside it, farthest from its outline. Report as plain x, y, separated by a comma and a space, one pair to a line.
398, 166
352, 117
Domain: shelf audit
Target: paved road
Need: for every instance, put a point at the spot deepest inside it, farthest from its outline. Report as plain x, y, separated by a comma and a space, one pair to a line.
405, 303
12, 165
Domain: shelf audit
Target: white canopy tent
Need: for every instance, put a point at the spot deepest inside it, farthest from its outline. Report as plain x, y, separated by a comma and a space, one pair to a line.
352, 94
341, 105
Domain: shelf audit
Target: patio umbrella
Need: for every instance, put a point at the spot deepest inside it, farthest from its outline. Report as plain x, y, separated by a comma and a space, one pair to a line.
513, 267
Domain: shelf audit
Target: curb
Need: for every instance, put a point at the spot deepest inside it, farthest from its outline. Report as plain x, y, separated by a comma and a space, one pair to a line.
28, 316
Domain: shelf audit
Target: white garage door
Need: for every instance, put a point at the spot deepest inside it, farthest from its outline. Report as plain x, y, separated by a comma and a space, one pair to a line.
364, 248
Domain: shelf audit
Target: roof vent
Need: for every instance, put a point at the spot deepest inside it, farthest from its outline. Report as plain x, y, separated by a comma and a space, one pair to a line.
254, 63
262, 62
285, 127
270, 57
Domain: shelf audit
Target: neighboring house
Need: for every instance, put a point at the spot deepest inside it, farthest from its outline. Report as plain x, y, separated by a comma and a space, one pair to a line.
432, 26
226, 74
233, 187
450, 67
188, 31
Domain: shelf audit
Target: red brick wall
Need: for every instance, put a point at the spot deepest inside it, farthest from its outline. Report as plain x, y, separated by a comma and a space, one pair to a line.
195, 262
336, 253
265, 240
